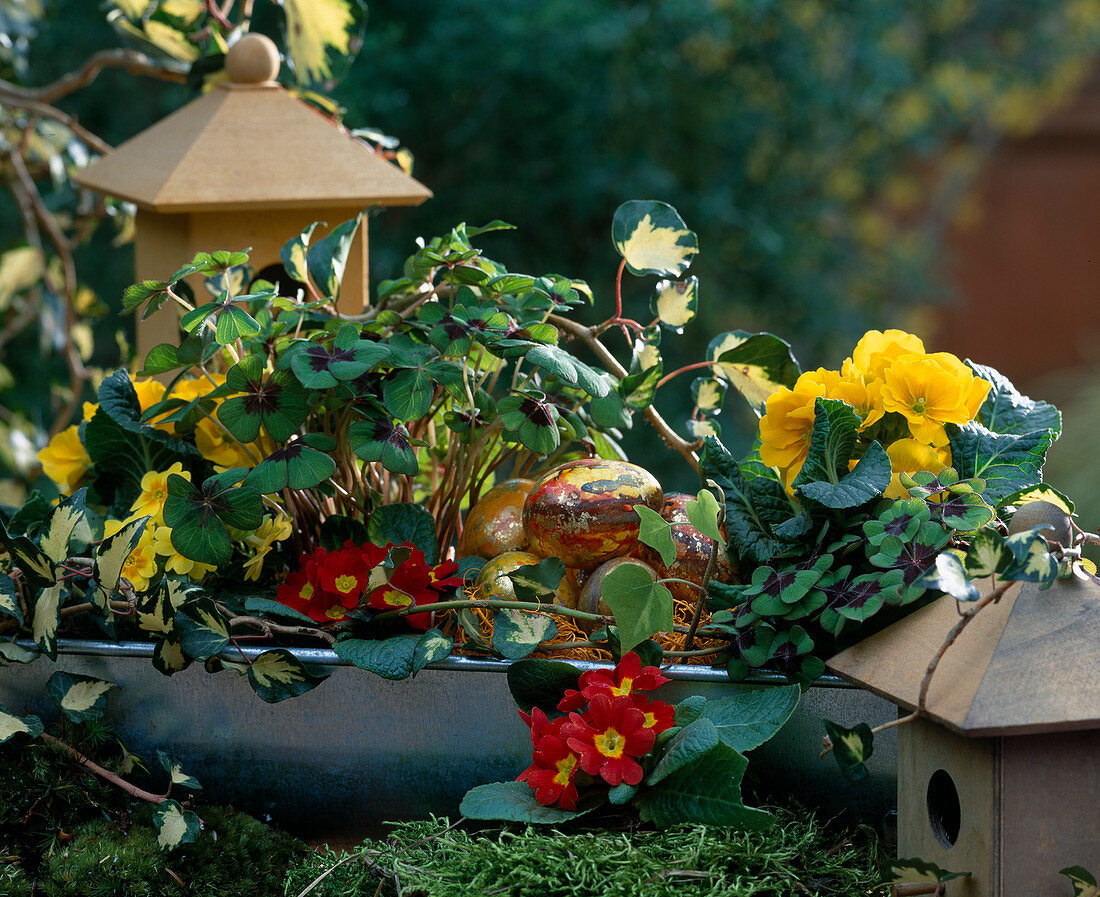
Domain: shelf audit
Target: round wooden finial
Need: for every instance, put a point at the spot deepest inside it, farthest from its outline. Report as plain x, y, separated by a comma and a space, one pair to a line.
253, 59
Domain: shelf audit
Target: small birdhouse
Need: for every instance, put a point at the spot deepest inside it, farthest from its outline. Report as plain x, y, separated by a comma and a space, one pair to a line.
245, 165
1002, 779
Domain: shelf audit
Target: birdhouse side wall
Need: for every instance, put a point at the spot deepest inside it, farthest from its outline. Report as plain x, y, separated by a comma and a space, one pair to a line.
163, 243
1050, 810
964, 766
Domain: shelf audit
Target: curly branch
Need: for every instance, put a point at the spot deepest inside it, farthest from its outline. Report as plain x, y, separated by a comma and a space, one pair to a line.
130, 60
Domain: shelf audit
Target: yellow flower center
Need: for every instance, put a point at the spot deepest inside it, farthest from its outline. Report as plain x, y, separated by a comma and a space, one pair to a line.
565, 770
306, 593
650, 720
610, 743
345, 583
623, 688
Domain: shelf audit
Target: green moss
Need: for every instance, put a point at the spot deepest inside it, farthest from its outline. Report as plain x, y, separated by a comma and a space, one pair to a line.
14, 881
798, 855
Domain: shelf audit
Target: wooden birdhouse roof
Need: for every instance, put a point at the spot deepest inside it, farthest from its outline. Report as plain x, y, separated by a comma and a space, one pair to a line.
248, 144
1029, 663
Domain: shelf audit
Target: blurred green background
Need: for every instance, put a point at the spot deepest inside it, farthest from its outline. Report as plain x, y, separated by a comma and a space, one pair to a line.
823, 152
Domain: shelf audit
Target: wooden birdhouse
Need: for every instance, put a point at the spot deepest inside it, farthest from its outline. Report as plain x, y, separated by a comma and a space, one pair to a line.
245, 165
1002, 779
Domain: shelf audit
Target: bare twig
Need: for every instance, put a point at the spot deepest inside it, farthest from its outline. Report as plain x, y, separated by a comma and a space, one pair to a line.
133, 62
98, 770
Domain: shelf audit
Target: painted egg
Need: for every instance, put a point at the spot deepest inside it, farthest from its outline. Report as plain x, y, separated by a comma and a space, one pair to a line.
583, 511
692, 556
675, 508
591, 597
494, 575
495, 524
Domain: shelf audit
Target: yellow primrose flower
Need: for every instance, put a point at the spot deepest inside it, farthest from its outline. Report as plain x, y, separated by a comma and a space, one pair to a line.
196, 387
154, 492
174, 561
788, 422
224, 451
149, 392
64, 460
930, 391
909, 456
141, 565
272, 530
877, 350
864, 397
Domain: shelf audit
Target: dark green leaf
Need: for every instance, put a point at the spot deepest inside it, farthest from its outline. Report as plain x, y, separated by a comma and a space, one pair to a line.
686, 747
1006, 410
752, 716
641, 606
390, 658
512, 802
656, 532
757, 364
851, 748
1006, 462
541, 683
404, 522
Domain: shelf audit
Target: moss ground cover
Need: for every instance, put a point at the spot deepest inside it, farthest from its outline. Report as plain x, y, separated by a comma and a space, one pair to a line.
798, 855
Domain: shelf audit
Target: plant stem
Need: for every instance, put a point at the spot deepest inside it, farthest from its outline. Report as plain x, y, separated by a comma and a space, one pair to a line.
488, 603
671, 438
98, 770
267, 627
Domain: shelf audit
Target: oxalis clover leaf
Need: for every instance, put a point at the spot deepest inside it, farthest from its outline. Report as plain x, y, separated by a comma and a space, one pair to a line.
275, 401
199, 516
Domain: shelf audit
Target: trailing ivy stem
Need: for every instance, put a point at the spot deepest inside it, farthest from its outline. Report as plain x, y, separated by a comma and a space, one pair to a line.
671, 438
697, 652
687, 367
98, 770
267, 628
619, 289
712, 562
955, 632
489, 603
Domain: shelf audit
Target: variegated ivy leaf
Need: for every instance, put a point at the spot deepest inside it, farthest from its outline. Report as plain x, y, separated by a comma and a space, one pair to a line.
176, 775
918, 871
708, 394
59, 526
322, 38
9, 599
1042, 492
175, 826
516, 633
1032, 560
168, 656
80, 698
675, 302
12, 725
647, 351
653, 239
111, 557
202, 628
46, 619
988, 555
1084, 882
851, 748
328, 257
656, 532
35, 566
949, 575
701, 429
13, 652
432, 647
293, 254
277, 675
757, 364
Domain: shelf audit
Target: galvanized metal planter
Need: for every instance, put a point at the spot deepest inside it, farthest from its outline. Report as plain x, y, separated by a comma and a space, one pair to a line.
359, 750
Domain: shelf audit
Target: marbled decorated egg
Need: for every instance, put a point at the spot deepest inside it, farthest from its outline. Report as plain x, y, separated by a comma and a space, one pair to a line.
692, 553
495, 523
591, 597
494, 576
583, 511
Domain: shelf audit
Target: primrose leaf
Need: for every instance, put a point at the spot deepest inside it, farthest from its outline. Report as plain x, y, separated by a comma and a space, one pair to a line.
851, 748
688, 745
541, 683
513, 802
12, 725
390, 658
653, 239
174, 825
757, 364
516, 633
641, 606
328, 257
752, 716
80, 698
707, 791
656, 532
277, 675
1007, 462
1006, 410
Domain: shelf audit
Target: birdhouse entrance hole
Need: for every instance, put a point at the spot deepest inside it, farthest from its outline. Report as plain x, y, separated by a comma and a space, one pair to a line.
277, 274
944, 813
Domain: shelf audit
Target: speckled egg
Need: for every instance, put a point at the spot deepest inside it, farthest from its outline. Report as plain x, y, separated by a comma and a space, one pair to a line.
583, 511
495, 524
494, 575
